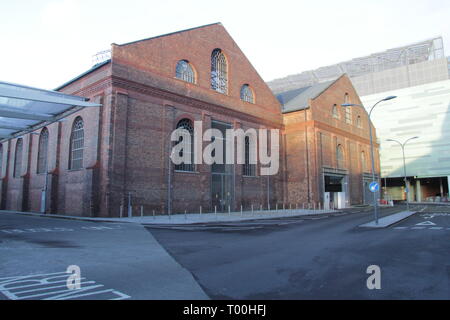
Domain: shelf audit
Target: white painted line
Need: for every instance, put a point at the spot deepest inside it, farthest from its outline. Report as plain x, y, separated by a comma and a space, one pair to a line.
400, 228
436, 228
426, 223
418, 228
53, 286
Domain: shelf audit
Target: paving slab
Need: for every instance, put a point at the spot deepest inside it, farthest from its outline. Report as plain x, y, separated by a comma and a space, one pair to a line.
388, 220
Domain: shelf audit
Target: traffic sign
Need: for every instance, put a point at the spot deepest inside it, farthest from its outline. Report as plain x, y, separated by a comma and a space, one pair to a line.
374, 187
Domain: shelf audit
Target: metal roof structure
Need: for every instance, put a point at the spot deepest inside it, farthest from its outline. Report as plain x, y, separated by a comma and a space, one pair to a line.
428, 50
24, 109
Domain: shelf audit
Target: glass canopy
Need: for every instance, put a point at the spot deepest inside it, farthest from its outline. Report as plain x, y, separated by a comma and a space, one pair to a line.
23, 109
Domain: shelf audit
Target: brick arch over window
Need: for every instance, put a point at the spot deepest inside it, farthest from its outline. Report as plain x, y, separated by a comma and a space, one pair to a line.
42, 151
219, 71
187, 124
18, 158
247, 94
76, 144
185, 71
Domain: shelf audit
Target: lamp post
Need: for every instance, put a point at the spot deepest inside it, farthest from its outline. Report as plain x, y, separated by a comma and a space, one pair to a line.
371, 145
402, 145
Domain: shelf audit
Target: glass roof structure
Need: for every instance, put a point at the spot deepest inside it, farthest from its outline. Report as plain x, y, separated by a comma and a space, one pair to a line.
24, 109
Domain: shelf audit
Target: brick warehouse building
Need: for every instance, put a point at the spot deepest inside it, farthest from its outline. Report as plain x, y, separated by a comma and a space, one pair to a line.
99, 158
328, 146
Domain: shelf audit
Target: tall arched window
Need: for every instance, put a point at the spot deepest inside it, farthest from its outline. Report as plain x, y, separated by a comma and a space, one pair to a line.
18, 158
363, 162
219, 69
184, 71
247, 94
187, 125
335, 112
42, 151
359, 122
249, 169
348, 115
340, 156
76, 144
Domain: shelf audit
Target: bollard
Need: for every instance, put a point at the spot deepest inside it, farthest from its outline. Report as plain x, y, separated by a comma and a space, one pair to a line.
252, 208
142, 211
276, 207
121, 211
200, 210
296, 206
215, 211
268, 208
241, 210
260, 208
314, 207
283, 207
185, 217
153, 214
229, 210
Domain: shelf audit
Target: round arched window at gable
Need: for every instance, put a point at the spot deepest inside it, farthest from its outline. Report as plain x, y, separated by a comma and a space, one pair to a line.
247, 94
184, 71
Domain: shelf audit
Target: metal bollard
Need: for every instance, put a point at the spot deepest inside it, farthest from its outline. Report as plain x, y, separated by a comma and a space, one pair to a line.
185, 216
215, 211
241, 210
121, 211
229, 210
142, 211
153, 214
252, 209
200, 210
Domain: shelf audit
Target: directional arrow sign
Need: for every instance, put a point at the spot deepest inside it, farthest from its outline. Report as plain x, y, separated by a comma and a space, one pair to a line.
426, 223
374, 187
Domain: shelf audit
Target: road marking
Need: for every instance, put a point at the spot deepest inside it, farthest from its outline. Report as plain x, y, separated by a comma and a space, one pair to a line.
53, 286
418, 228
436, 228
401, 228
426, 223
57, 229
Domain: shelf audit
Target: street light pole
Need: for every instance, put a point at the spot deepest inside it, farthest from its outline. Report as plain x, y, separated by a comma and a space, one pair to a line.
369, 114
402, 145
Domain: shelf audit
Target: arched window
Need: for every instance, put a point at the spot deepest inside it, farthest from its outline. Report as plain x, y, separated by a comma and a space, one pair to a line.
184, 71
335, 112
363, 162
187, 125
18, 158
348, 115
340, 156
249, 169
76, 145
359, 122
42, 151
247, 94
219, 69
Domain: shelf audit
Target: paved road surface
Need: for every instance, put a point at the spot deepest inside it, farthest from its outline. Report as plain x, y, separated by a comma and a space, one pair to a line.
318, 259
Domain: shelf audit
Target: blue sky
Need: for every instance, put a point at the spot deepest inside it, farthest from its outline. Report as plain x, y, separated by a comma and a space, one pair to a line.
46, 43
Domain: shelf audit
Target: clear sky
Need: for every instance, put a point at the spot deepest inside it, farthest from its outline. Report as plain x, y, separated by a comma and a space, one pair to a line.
48, 42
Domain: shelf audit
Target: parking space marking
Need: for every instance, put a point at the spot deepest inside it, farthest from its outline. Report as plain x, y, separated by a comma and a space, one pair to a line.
53, 286
57, 229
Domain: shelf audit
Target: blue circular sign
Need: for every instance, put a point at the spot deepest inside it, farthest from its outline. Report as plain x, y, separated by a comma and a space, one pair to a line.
374, 186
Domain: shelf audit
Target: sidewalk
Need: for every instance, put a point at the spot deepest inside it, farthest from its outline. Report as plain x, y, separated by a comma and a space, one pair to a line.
193, 218
388, 220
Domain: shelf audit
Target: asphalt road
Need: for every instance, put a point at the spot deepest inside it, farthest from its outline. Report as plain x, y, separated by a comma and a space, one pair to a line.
116, 261
325, 258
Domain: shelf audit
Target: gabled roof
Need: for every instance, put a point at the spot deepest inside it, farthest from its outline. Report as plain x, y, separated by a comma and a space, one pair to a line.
297, 99
169, 34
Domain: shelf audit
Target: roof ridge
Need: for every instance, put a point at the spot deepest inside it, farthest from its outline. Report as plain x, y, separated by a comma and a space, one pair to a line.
168, 34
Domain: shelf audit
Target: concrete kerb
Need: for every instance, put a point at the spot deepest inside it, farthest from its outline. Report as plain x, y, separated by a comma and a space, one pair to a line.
389, 220
181, 220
